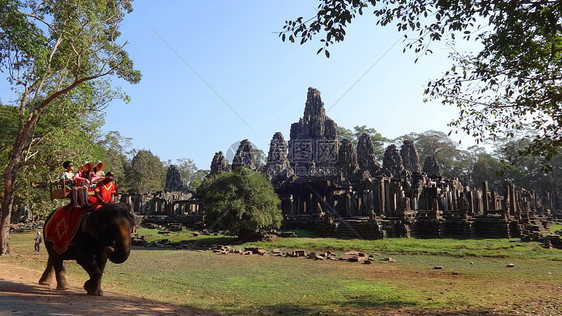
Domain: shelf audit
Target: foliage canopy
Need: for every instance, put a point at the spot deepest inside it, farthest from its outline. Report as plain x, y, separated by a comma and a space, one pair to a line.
241, 201
57, 56
147, 172
514, 82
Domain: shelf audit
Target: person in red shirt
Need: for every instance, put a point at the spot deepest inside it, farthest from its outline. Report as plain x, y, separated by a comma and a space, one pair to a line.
104, 191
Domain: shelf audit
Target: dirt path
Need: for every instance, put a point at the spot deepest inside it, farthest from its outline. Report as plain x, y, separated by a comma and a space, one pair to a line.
21, 295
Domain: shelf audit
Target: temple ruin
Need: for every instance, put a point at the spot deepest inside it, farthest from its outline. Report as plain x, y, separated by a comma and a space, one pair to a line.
341, 190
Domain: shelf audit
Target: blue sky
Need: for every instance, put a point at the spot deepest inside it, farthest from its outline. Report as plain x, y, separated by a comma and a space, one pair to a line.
216, 72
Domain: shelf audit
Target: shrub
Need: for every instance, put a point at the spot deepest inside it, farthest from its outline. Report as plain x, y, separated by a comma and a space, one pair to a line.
242, 202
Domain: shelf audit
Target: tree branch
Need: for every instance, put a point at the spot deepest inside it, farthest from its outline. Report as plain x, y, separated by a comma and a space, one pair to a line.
35, 17
48, 70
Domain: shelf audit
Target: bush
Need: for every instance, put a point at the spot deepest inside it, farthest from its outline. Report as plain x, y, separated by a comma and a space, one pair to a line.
242, 202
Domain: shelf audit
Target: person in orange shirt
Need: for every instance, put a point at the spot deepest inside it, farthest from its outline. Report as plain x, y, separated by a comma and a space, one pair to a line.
105, 190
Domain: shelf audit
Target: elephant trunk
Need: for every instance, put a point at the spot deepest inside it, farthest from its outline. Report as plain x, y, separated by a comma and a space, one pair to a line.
120, 252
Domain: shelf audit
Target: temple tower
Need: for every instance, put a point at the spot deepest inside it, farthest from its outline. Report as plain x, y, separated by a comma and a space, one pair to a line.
431, 167
173, 180
219, 164
313, 144
366, 155
244, 156
392, 162
278, 167
410, 157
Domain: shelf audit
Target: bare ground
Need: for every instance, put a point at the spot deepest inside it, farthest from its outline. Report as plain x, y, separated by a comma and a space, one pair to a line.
20, 294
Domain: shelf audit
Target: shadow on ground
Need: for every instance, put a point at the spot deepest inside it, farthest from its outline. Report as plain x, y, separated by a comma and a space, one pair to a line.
19, 298
365, 306
24, 299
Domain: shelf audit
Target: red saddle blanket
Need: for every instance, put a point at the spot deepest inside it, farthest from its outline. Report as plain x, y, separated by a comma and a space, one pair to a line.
63, 226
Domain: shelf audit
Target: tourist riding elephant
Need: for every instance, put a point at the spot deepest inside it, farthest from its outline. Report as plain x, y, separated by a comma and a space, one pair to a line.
102, 234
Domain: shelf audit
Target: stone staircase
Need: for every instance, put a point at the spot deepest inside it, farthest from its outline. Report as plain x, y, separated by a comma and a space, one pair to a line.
349, 229
489, 227
358, 229
426, 228
456, 228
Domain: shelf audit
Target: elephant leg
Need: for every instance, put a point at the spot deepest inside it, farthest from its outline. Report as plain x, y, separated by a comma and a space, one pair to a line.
93, 285
101, 260
60, 274
47, 276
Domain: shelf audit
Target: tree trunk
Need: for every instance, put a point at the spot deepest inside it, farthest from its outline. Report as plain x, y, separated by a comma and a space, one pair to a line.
7, 202
10, 181
5, 232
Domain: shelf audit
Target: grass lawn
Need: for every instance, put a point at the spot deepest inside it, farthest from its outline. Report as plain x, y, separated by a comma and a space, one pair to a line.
474, 277
556, 227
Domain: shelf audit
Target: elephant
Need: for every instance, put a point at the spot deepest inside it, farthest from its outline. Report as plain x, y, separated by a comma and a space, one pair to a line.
104, 234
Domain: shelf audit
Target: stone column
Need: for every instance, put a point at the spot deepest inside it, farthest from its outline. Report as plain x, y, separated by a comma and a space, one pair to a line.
388, 198
514, 210
380, 197
494, 199
485, 199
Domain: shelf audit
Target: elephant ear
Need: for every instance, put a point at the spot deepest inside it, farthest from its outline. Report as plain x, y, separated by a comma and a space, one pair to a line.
90, 223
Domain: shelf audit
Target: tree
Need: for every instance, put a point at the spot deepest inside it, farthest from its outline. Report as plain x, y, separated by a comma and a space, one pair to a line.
57, 55
436, 144
345, 133
513, 82
118, 157
187, 169
241, 201
487, 168
439, 145
197, 179
147, 172
526, 171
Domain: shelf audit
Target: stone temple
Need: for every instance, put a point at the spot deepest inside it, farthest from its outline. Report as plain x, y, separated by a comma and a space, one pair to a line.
328, 184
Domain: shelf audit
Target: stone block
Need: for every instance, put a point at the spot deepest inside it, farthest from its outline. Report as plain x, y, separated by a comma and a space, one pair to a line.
299, 253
